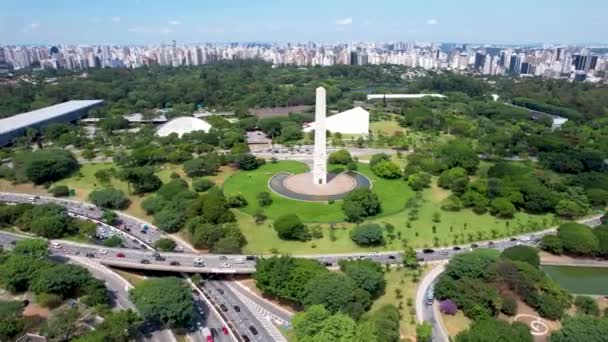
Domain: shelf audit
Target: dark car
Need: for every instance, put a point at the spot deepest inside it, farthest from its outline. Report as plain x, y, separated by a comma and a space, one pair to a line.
90, 255
223, 307
328, 264
491, 243
474, 245
245, 338
428, 251
250, 258
144, 261
253, 330
236, 308
143, 231
159, 258
392, 257
14, 242
456, 248
174, 263
220, 291
513, 239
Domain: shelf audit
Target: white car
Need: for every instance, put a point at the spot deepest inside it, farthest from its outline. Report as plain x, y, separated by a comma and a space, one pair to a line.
103, 252
226, 265
55, 244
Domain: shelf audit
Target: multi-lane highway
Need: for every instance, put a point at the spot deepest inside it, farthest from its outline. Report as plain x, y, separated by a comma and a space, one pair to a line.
145, 258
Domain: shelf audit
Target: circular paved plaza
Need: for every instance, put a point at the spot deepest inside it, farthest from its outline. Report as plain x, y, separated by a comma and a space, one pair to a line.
301, 186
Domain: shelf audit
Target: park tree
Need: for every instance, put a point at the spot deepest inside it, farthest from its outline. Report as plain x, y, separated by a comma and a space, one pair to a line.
310, 321
341, 157
290, 227
386, 169
597, 197
410, 259
419, 181
60, 191
523, 253
495, 330
247, 161
377, 158
509, 306
165, 245
264, 199
199, 167
570, 209
286, 277
367, 275
582, 328
35, 248
202, 184
424, 332
601, 232
577, 239
62, 326
451, 203
142, 179
109, 198
502, 207
18, 271
447, 177
386, 323
44, 165
11, 320
552, 244
458, 153
360, 203
337, 293
471, 264
61, 279
586, 305
369, 234
171, 189
117, 326
163, 300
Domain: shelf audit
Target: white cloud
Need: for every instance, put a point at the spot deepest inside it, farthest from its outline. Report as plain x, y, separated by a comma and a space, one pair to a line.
115, 19
344, 21
432, 21
143, 29
174, 22
31, 27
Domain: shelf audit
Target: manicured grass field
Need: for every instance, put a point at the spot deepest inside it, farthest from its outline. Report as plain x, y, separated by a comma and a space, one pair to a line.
401, 279
392, 193
386, 127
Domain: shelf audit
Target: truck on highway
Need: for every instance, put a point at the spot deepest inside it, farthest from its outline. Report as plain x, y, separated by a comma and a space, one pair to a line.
207, 333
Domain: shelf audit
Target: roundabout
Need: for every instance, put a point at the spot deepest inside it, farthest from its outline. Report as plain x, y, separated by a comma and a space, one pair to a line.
301, 187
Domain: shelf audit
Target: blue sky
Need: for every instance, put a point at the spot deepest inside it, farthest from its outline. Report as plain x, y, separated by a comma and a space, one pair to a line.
155, 21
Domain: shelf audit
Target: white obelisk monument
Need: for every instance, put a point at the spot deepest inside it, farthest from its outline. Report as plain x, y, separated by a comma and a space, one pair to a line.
319, 167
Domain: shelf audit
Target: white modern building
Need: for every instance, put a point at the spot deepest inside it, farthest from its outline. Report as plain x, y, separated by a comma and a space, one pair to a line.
183, 125
352, 121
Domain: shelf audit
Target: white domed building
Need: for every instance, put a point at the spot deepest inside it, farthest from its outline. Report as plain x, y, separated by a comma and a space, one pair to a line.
183, 125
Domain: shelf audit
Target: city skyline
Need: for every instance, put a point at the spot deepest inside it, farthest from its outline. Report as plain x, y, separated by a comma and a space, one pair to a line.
151, 22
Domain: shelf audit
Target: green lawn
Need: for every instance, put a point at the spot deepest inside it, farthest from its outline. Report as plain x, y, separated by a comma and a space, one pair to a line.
400, 279
393, 193
453, 227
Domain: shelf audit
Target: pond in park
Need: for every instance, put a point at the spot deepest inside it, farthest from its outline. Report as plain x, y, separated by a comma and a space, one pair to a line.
580, 280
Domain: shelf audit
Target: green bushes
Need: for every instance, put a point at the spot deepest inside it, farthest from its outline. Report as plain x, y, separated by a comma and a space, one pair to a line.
341, 157
522, 253
109, 199
42, 166
60, 191
587, 305
360, 203
202, 185
369, 234
290, 227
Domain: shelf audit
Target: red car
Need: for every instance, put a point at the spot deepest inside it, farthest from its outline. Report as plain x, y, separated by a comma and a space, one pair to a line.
120, 255
224, 330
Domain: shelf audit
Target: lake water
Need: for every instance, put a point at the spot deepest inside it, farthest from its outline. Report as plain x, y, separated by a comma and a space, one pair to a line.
580, 280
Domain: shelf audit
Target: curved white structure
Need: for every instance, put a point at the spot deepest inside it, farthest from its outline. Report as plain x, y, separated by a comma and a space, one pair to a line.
183, 125
352, 121
401, 96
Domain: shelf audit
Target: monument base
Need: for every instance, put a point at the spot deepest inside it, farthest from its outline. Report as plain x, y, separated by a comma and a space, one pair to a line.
300, 186
303, 183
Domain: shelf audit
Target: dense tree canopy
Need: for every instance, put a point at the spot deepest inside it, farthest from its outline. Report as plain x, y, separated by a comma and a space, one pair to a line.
163, 300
